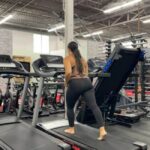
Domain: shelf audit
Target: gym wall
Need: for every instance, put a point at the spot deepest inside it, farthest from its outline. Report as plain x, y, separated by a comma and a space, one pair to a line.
5, 41
23, 44
147, 50
5, 48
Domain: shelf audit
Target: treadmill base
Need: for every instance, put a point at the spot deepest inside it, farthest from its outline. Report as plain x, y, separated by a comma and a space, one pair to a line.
23, 137
86, 138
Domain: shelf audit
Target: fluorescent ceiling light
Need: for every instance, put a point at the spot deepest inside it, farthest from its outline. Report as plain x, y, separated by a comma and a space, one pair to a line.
120, 38
127, 44
146, 21
127, 4
6, 19
56, 28
92, 34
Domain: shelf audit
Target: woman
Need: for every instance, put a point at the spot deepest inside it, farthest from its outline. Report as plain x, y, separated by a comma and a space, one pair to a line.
76, 74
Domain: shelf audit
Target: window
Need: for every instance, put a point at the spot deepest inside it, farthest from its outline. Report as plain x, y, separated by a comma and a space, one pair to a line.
40, 44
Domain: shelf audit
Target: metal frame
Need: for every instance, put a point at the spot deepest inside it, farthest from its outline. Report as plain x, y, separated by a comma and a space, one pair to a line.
25, 88
37, 103
34, 16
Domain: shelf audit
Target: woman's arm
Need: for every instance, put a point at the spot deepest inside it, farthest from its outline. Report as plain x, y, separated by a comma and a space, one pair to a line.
67, 66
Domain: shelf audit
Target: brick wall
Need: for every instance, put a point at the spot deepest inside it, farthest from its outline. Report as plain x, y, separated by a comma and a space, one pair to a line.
5, 41
5, 48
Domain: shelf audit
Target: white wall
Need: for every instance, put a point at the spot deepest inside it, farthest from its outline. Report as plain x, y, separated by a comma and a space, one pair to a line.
23, 45
83, 47
57, 46
56, 43
96, 49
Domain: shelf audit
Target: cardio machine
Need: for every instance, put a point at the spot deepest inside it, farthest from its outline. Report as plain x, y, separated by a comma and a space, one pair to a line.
16, 134
85, 136
120, 65
8, 68
7, 103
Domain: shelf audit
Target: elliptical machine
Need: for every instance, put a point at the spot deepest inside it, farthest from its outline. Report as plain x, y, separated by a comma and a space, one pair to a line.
7, 100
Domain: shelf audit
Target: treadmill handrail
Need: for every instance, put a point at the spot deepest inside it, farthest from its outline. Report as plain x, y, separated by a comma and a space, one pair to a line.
20, 70
36, 66
14, 72
99, 74
13, 67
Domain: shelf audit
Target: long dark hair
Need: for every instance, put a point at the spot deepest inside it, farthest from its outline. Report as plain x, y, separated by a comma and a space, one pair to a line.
73, 46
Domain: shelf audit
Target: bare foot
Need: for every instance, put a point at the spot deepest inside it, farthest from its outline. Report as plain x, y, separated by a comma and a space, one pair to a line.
70, 130
102, 137
102, 134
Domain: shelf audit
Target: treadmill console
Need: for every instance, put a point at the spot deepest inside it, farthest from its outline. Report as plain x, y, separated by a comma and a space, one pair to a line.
95, 64
49, 66
6, 62
52, 61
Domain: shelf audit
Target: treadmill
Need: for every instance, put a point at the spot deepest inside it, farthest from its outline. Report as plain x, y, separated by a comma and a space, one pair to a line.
9, 67
85, 136
16, 134
120, 65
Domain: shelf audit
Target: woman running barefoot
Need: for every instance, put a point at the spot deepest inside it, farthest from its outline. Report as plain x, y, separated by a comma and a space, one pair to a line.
76, 74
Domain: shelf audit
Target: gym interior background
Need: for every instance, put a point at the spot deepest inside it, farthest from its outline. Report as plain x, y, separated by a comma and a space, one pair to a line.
29, 28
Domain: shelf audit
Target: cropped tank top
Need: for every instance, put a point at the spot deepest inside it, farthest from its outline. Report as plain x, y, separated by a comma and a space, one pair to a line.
71, 67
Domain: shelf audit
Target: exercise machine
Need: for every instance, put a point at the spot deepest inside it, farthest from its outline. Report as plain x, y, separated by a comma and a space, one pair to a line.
31, 98
12, 68
85, 136
94, 64
15, 134
7, 103
120, 65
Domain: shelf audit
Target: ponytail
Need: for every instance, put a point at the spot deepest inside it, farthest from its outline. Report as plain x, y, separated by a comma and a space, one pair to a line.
73, 46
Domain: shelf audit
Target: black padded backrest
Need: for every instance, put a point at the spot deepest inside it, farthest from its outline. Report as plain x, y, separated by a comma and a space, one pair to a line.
123, 62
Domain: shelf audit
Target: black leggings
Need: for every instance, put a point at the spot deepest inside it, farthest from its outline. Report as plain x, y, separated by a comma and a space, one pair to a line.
84, 87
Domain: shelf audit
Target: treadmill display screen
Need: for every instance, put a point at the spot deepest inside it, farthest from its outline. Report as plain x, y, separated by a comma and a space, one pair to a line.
6, 62
4, 146
5, 59
52, 61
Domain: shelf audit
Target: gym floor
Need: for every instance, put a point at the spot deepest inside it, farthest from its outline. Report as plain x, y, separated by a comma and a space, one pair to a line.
139, 131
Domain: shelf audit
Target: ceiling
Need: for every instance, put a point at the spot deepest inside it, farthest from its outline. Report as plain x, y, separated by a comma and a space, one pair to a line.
39, 15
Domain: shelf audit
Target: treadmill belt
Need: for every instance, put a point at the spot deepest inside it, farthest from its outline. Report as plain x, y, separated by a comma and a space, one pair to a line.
7, 119
4, 146
87, 136
21, 137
